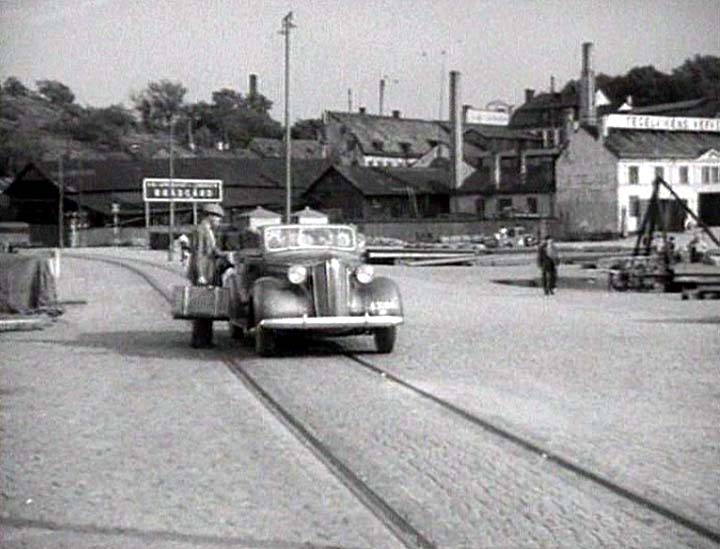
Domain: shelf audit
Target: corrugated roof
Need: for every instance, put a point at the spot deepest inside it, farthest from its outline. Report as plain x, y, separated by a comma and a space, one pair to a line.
660, 144
390, 136
537, 180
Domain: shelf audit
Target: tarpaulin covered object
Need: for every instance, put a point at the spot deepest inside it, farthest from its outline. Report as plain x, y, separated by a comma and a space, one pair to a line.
26, 285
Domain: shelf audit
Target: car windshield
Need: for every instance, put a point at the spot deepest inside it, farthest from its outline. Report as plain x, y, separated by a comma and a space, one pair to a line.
299, 237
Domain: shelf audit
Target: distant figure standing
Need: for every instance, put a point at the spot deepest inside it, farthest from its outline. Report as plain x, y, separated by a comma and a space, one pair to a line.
547, 261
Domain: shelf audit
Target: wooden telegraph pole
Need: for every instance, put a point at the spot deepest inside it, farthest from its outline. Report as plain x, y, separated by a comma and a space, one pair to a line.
287, 25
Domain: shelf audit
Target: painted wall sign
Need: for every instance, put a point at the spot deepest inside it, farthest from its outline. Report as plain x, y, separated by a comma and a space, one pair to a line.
182, 190
662, 123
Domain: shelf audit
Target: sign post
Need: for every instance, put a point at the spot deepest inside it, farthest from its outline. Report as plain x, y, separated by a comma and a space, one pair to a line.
174, 190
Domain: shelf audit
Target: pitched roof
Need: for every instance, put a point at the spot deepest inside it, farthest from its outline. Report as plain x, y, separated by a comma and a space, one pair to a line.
127, 175
372, 181
660, 144
390, 136
537, 180
275, 148
702, 107
535, 113
500, 132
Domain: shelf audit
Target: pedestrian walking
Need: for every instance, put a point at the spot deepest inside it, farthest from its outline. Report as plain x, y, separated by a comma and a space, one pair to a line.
547, 261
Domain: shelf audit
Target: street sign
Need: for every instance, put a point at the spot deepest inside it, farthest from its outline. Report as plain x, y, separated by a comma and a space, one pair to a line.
182, 190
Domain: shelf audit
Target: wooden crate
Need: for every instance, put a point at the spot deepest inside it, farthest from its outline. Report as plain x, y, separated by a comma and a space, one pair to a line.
208, 302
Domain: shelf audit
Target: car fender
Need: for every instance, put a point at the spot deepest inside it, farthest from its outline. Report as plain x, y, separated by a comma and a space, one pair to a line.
274, 298
381, 297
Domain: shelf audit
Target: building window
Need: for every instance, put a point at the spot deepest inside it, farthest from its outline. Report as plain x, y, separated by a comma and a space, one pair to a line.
659, 172
480, 207
684, 175
706, 174
634, 206
633, 175
532, 204
504, 205
715, 174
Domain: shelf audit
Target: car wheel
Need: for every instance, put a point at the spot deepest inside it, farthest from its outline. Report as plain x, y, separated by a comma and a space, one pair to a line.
264, 341
385, 339
236, 332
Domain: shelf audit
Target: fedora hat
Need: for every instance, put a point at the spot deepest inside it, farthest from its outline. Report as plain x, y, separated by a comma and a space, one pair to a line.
214, 209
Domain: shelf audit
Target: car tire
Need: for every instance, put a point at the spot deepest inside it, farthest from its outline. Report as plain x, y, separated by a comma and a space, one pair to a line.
385, 339
236, 332
264, 341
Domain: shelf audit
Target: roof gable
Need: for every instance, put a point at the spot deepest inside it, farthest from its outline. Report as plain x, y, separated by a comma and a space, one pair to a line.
389, 136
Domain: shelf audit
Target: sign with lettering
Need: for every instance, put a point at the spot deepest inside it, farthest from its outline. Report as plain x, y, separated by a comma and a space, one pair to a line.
492, 118
182, 190
662, 123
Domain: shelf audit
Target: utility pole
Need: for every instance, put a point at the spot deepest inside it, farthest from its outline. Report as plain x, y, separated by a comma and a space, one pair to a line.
61, 202
171, 233
287, 25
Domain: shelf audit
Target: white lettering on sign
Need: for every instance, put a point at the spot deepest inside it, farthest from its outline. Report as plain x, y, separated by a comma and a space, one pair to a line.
662, 123
492, 118
182, 190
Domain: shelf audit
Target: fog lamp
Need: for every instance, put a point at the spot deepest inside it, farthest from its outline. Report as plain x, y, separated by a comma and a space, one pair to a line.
297, 274
364, 274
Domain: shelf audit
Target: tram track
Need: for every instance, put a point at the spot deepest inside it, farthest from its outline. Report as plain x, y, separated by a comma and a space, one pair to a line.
526, 444
405, 532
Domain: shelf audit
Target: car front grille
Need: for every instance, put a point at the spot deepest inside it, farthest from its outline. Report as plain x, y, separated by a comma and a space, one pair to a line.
330, 288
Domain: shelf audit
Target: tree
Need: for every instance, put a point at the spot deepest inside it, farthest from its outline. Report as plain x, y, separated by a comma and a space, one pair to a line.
159, 103
55, 92
309, 128
14, 87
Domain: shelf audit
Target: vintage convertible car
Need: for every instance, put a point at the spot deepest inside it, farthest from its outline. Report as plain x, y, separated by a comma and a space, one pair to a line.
311, 279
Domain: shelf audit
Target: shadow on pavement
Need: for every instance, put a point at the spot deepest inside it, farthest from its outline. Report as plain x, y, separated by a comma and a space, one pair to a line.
156, 344
705, 320
570, 283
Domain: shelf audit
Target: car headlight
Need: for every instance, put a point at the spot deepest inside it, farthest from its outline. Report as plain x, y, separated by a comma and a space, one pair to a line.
364, 274
297, 274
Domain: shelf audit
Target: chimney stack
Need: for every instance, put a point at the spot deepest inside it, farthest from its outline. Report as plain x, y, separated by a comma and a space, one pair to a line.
552, 84
362, 110
456, 142
588, 114
529, 94
396, 114
253, 85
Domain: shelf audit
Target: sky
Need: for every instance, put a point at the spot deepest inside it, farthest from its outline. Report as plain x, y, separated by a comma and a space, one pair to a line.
104, 50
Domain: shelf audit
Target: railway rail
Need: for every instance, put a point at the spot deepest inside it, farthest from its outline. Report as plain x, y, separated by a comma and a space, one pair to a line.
404, 531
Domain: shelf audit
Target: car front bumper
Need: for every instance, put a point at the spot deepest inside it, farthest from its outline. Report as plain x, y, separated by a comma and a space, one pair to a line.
320, 323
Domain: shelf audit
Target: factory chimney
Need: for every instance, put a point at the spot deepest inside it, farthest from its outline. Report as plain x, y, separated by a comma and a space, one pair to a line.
252, 92
456, 141
587, 113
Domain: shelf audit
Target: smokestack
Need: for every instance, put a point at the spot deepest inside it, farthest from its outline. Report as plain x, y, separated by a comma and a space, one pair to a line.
552, 84
456, 152
382, 96
529, 94
588, 115
253, 85
350, 107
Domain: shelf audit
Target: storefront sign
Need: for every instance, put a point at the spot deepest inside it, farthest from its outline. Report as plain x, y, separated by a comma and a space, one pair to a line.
662, 123
182, 190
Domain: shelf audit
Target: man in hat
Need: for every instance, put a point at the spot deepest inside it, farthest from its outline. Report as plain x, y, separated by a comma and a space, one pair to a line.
547, 261
204, 249
203, 266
